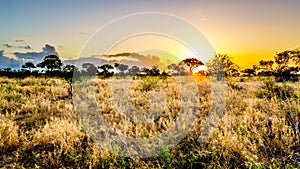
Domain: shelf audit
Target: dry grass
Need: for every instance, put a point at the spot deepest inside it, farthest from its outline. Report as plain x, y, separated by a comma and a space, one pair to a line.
260, 127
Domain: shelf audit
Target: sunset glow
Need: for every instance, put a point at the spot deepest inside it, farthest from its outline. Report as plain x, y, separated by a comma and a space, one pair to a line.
200, 68
248, 31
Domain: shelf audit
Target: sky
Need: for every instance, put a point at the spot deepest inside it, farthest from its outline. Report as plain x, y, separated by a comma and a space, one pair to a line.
248, 31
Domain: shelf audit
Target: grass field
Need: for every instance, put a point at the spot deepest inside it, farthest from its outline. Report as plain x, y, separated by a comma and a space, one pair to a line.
40, 127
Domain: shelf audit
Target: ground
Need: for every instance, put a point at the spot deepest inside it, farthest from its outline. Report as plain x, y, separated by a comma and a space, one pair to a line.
41, 128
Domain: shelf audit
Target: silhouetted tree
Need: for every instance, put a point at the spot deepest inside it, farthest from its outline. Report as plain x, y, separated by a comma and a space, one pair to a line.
192, 63
69, 74
266, 64
284, 67
222, 64
8, 69
154, 71
89, 69
121, 67
266, 67
144, 71
28, 65
177, 69
105, 70
133, 70
51, 62
249, 72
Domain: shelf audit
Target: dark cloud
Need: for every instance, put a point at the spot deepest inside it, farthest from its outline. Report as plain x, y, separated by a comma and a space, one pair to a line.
37, 57
21, 46
9, 62
135, 59
7, 45
19, 40
148, 60
25, 47
118, 55
131, 59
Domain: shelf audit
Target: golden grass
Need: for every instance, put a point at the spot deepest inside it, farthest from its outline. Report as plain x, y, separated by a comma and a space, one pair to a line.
260, 127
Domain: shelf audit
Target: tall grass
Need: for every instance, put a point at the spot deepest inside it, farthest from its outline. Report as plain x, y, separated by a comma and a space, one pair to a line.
259, 129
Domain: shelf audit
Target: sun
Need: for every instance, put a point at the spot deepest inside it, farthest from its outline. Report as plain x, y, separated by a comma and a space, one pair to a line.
200, 68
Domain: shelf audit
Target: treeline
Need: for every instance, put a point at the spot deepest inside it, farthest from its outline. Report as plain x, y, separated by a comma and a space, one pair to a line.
53, 66
285, 66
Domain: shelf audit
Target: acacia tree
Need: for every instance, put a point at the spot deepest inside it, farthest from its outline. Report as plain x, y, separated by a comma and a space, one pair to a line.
266, 67
28, 65
121, 67
51, 62
177, 69
133, 70
222, 64
154, 71
7, 69
105, 70
192, 63
89, 69
287, 62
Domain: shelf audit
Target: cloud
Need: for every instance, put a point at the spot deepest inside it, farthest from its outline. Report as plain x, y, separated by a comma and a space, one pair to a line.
9, 62
118, 55
135, 59
148, 60
19, 40
12, 46
37, 57
7, 45
25, 47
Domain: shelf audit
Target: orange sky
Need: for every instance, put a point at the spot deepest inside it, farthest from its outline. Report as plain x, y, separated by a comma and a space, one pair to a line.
247, 30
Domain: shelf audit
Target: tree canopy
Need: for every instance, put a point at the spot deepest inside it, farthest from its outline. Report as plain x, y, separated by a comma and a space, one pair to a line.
28, 65
192, 63
89, 69
51, 62
222, 63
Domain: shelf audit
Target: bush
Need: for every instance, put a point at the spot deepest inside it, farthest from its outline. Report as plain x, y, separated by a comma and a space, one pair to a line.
148, 83
277, 91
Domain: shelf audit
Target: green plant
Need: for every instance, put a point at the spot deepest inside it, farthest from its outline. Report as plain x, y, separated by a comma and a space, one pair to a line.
234, 86
148, 83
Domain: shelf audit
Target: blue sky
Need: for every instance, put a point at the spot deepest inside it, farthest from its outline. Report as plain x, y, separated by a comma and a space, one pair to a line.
247, 30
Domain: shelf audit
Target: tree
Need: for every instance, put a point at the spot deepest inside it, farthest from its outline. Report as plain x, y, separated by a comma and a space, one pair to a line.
121, 67
68, 75
266, 64
89, 69
133, 70
249, 72
154, 71
8, 69
222, 64
177, 69
51, 62
105, 70
266, 67
192, 63
28, 65
285, 61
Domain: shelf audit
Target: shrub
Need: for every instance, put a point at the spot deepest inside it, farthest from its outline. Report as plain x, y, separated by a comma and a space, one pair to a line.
148, 83
277, 91
234, 86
